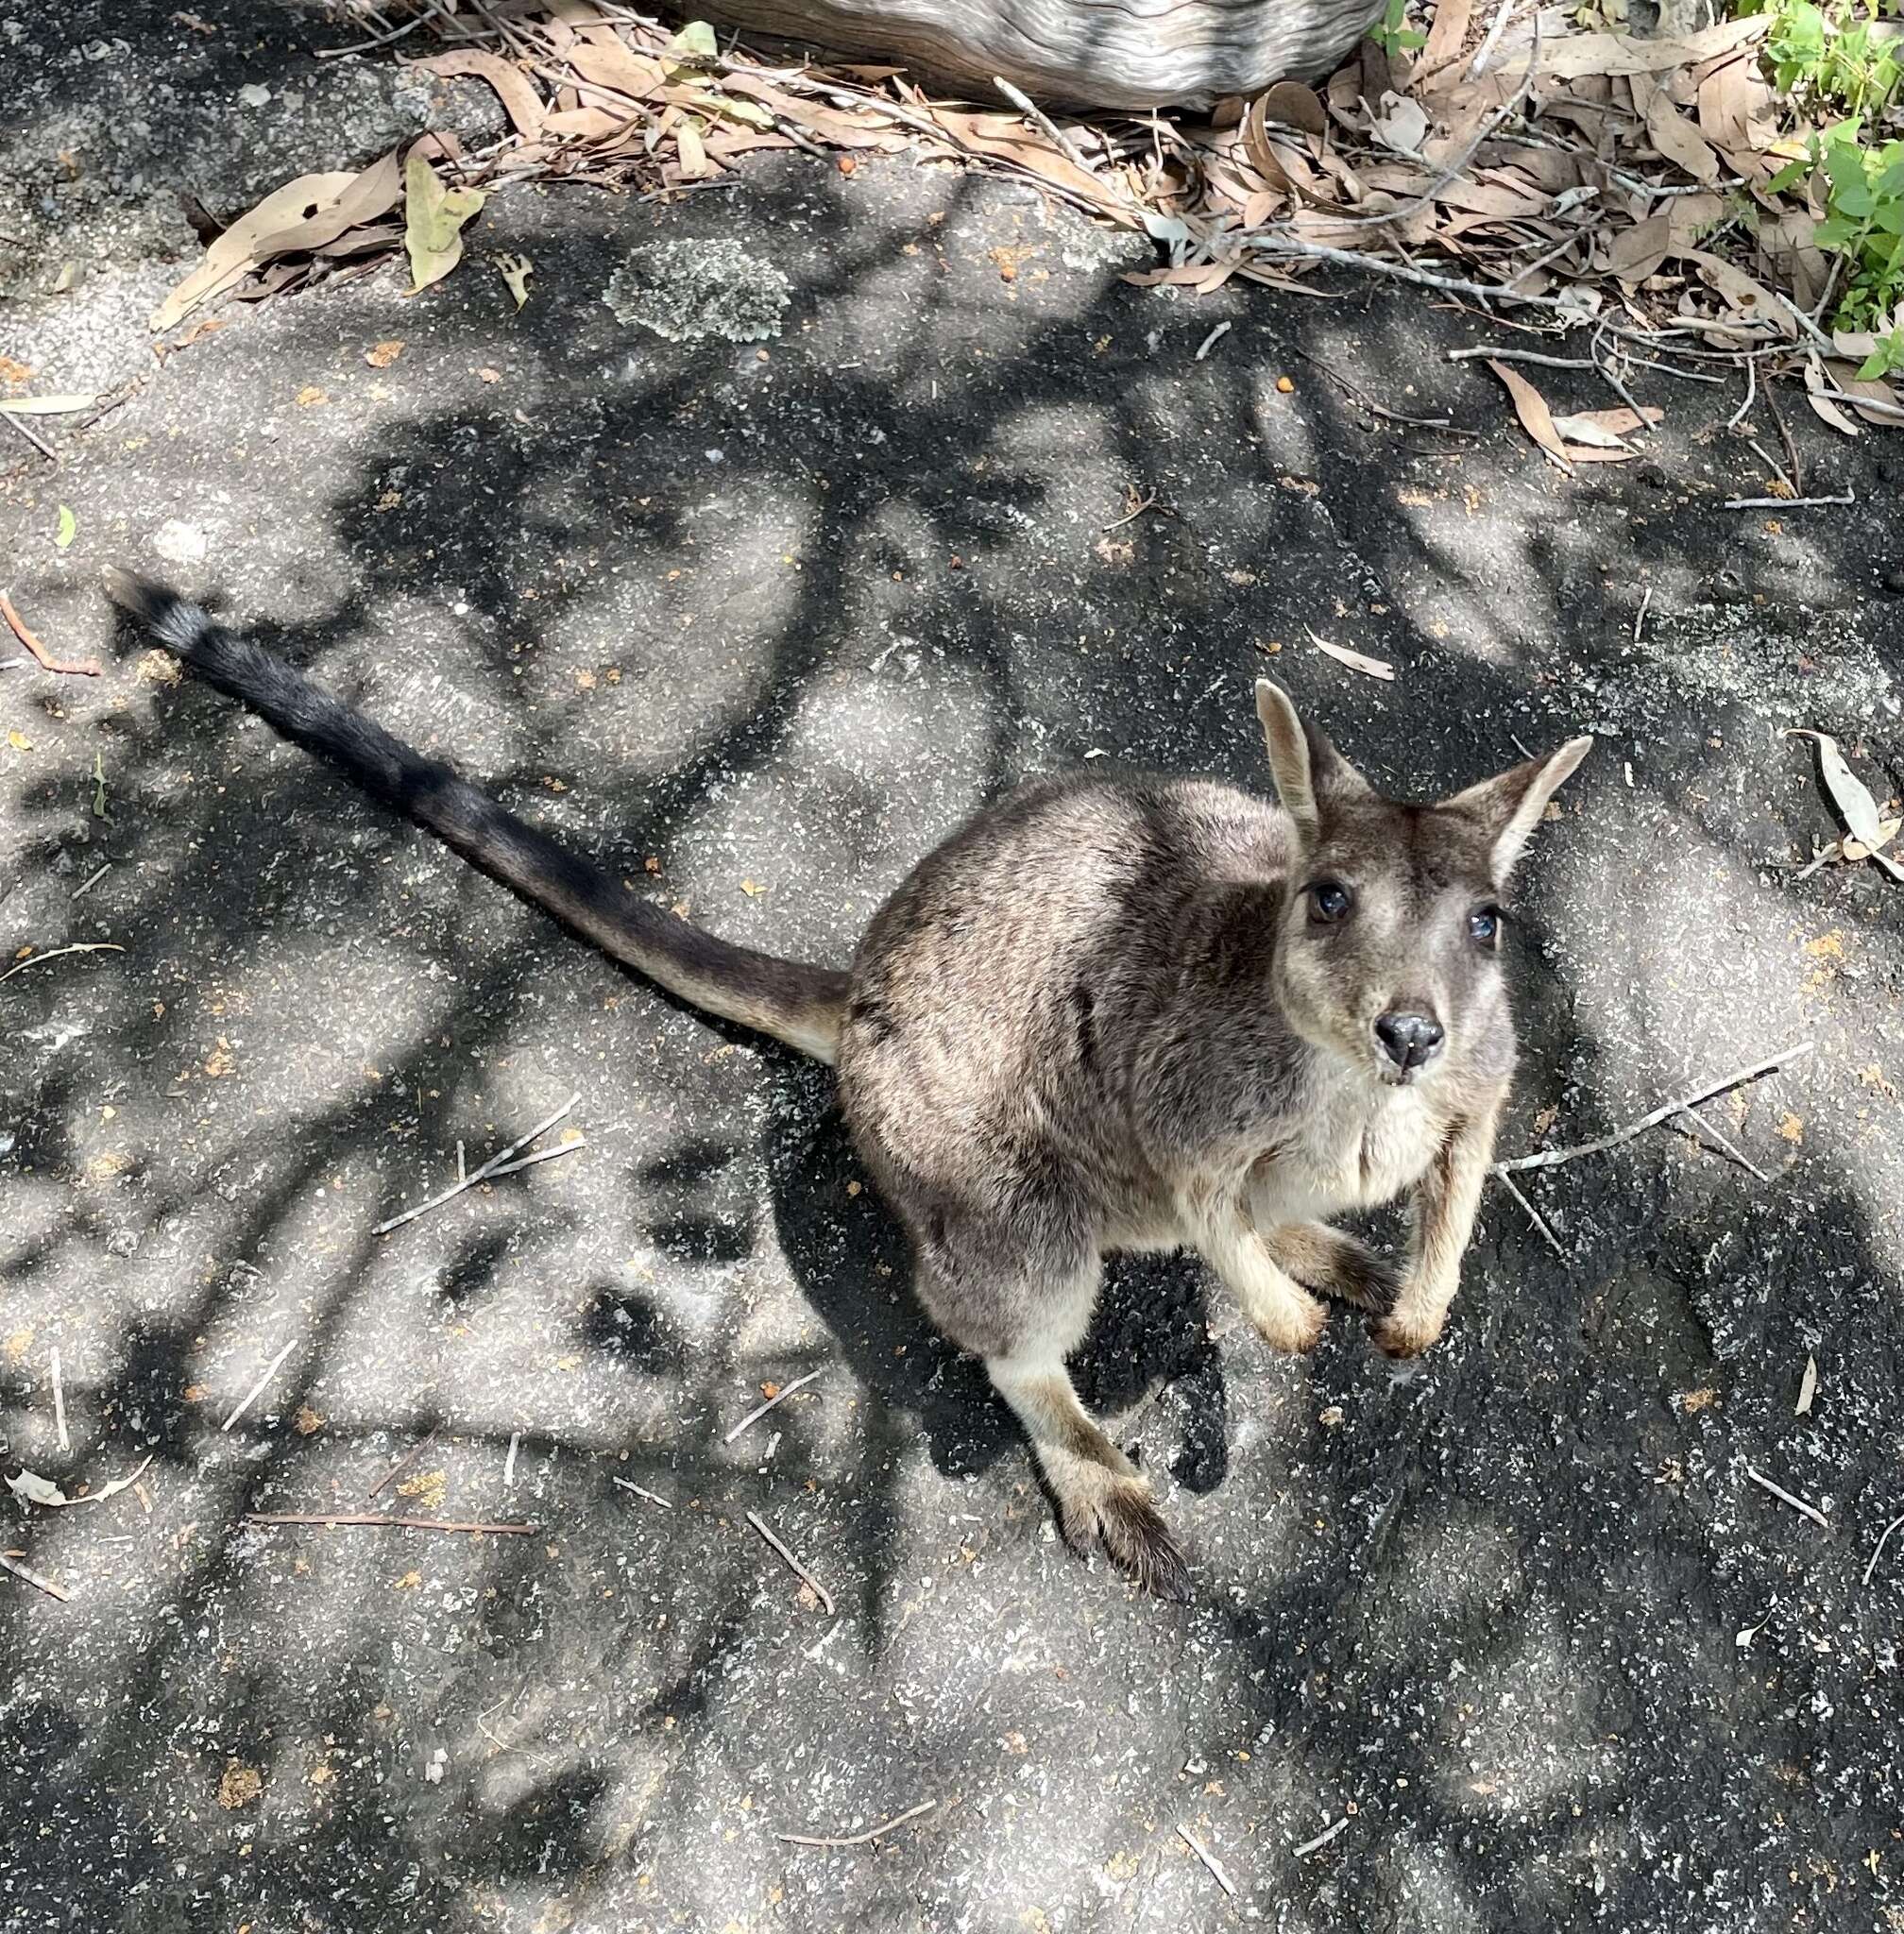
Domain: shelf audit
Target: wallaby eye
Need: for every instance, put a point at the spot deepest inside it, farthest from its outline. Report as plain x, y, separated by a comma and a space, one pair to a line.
1327, 902
1484, 926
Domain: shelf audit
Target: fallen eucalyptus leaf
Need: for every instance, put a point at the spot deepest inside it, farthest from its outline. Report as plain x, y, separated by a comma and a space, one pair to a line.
1537, 419
46, 406
1848, 792
433, 221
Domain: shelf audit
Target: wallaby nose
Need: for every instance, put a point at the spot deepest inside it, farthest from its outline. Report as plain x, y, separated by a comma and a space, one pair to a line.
1408, 1039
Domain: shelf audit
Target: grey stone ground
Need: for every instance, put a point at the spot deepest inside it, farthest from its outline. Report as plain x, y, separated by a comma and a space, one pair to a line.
766, 620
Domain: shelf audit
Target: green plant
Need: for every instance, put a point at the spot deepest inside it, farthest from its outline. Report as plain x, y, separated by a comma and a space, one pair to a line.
1841, 55
1391, 35
1862, 185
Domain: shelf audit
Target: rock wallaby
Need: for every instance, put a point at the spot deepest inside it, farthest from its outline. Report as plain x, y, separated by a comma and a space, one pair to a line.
1109, 1013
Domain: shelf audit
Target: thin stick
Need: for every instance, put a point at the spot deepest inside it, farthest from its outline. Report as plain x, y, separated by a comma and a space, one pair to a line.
1356, 394
29, 1577
32, 435
59, 1405
370, 1517
1885, 1538
1773, 465
1701, 1126
1511, 355
799, 1570
257, 1389
1738, 417
1209, 1859
1483, 53
493, 1166
1785, 1497
1534, 1215
530, 1160
1032, 112
78, 947
403, 1463
1785, 435
94, 881
1211, 341
17, 625
1376, 265
859, 1840
1552, 1158
779, 1397
651, 1496
1639, 615
509, 1461
1322, 1840
1787, 502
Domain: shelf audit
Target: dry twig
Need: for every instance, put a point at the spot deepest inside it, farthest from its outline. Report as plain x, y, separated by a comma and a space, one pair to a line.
798, 1570
1785, 1497
1883, 1538
17, 625
1787, 502
28, 1576
779, 1397
651, 1497
1209, 1859
498, 1164
257, 1390
403, 1463
859, 1840
1552, 1158
78, 947
367, 1519
1322, 1840
59, 1405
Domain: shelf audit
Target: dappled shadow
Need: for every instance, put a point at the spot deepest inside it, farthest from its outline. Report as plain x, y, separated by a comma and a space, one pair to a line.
757, 626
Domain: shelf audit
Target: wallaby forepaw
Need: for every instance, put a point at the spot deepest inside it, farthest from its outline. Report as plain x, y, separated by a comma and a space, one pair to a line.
1295, 1327
1394, 1338
1123, 1517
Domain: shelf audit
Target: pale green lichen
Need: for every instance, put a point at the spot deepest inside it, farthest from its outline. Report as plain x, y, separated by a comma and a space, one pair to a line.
687, 290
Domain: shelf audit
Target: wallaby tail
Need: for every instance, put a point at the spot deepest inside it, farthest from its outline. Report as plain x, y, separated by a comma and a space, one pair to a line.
788, 1000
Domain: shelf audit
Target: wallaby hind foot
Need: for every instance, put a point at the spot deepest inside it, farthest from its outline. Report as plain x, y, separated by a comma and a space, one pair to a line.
1100, 1497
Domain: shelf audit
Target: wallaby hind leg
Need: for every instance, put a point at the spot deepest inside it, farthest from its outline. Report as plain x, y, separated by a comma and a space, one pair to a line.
1100, 1496
1334, 1264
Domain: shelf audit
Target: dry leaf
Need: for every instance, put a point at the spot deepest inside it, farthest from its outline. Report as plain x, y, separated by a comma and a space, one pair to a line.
1679, 142
1576, 55
520, 100
240, 1785
1603, 428
303, 216
1637, 252
384, 354
1356, 661
1537, 419
1822, 405
45, 406
1400, 125
1849, 794
1748, 300
1808, 1387
19, 740
434, 219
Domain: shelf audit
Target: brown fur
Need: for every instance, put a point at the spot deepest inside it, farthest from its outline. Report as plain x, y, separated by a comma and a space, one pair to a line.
1109, 1013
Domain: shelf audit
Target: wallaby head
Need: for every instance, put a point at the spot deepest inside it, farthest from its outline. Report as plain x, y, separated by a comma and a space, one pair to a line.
1389, 949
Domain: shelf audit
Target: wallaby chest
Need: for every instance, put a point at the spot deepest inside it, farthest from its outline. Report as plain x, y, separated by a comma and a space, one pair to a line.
1351, 1145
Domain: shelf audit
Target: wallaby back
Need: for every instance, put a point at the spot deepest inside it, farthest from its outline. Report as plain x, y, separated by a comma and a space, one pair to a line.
795, 1002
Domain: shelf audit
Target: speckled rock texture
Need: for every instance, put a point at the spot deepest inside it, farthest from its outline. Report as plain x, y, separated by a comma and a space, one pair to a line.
758, 623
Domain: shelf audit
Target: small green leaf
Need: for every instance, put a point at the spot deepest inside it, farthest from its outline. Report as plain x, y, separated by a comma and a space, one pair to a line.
67, 530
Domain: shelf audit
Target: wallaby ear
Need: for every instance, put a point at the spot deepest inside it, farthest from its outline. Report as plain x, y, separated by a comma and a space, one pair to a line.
1509, 805
1308, 769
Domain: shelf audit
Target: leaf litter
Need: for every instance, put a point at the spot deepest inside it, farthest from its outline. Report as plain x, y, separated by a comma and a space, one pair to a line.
1594, 177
